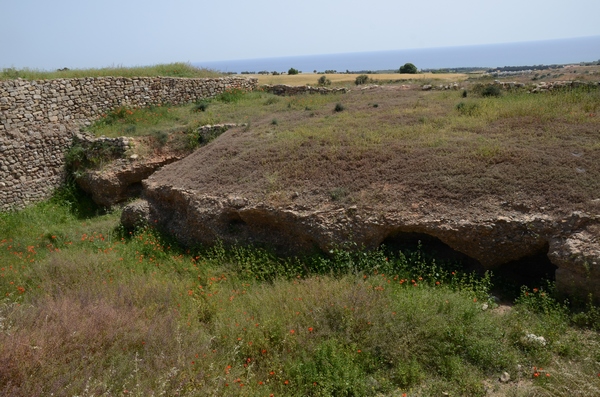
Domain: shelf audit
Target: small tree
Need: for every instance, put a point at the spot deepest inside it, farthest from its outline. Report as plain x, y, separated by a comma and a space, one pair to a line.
323, 81
293, 71
362, 79
408, 68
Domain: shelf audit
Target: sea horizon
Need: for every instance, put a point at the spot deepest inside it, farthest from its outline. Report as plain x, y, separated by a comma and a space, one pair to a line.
547, 52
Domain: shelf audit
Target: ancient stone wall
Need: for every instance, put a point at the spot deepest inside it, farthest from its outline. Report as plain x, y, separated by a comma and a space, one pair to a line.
39, 118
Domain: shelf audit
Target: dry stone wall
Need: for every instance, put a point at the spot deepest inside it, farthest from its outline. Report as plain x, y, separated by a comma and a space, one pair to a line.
38, 120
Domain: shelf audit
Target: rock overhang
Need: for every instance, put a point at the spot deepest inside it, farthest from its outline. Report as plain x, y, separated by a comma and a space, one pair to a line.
570, 243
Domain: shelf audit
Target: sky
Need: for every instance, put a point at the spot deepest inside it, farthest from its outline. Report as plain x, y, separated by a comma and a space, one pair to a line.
47, 35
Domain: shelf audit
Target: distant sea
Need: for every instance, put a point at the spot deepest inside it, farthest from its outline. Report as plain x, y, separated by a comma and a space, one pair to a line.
549, 52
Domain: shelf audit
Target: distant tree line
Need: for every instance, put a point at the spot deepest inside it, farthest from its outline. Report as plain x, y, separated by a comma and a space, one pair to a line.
519, 68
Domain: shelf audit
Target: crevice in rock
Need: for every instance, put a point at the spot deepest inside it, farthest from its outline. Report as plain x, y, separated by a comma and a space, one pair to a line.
529, 270
134, 190
235, 224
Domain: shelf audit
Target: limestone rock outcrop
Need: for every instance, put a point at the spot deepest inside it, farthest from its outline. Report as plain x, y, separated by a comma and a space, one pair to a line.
121, 180
571, 243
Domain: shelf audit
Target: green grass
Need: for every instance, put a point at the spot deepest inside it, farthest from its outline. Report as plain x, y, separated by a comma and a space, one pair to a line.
179, 69
232, 106
87, 308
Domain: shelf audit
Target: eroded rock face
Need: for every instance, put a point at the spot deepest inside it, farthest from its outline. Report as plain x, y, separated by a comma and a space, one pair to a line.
578, 258
194, 217
121, 180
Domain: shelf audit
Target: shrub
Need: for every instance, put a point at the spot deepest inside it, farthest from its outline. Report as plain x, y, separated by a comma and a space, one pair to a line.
491, 90
231, 95
590, 317
339, 107
467, 109
323, 81
130, 129
408, 68
338, 193
75, 157
79, 158
332, 369
362, 79
160, 138
201, 106
292, 71
271, 100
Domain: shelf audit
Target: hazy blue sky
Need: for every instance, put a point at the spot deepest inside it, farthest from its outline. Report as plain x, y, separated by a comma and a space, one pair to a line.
43, 34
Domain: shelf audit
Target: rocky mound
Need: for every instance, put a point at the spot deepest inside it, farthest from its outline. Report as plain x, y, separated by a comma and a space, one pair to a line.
314, 181
571, 243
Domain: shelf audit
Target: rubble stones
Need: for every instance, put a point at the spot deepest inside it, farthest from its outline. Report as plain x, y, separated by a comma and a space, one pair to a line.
513, 85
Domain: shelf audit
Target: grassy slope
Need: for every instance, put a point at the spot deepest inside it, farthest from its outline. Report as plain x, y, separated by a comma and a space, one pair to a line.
391, 146
89, 310
167, 70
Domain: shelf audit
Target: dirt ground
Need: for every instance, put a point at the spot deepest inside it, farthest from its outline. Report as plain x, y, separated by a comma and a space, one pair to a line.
312, 78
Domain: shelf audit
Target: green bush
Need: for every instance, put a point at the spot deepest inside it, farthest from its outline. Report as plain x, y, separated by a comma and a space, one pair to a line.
201, 106
79, 158
491, 90
160, 138
75, 157
130, 129
339, 193
332, 369
588, 318
231, 95
293, 71
339, 107
323, 81
362, 79
408, 68
467, 108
